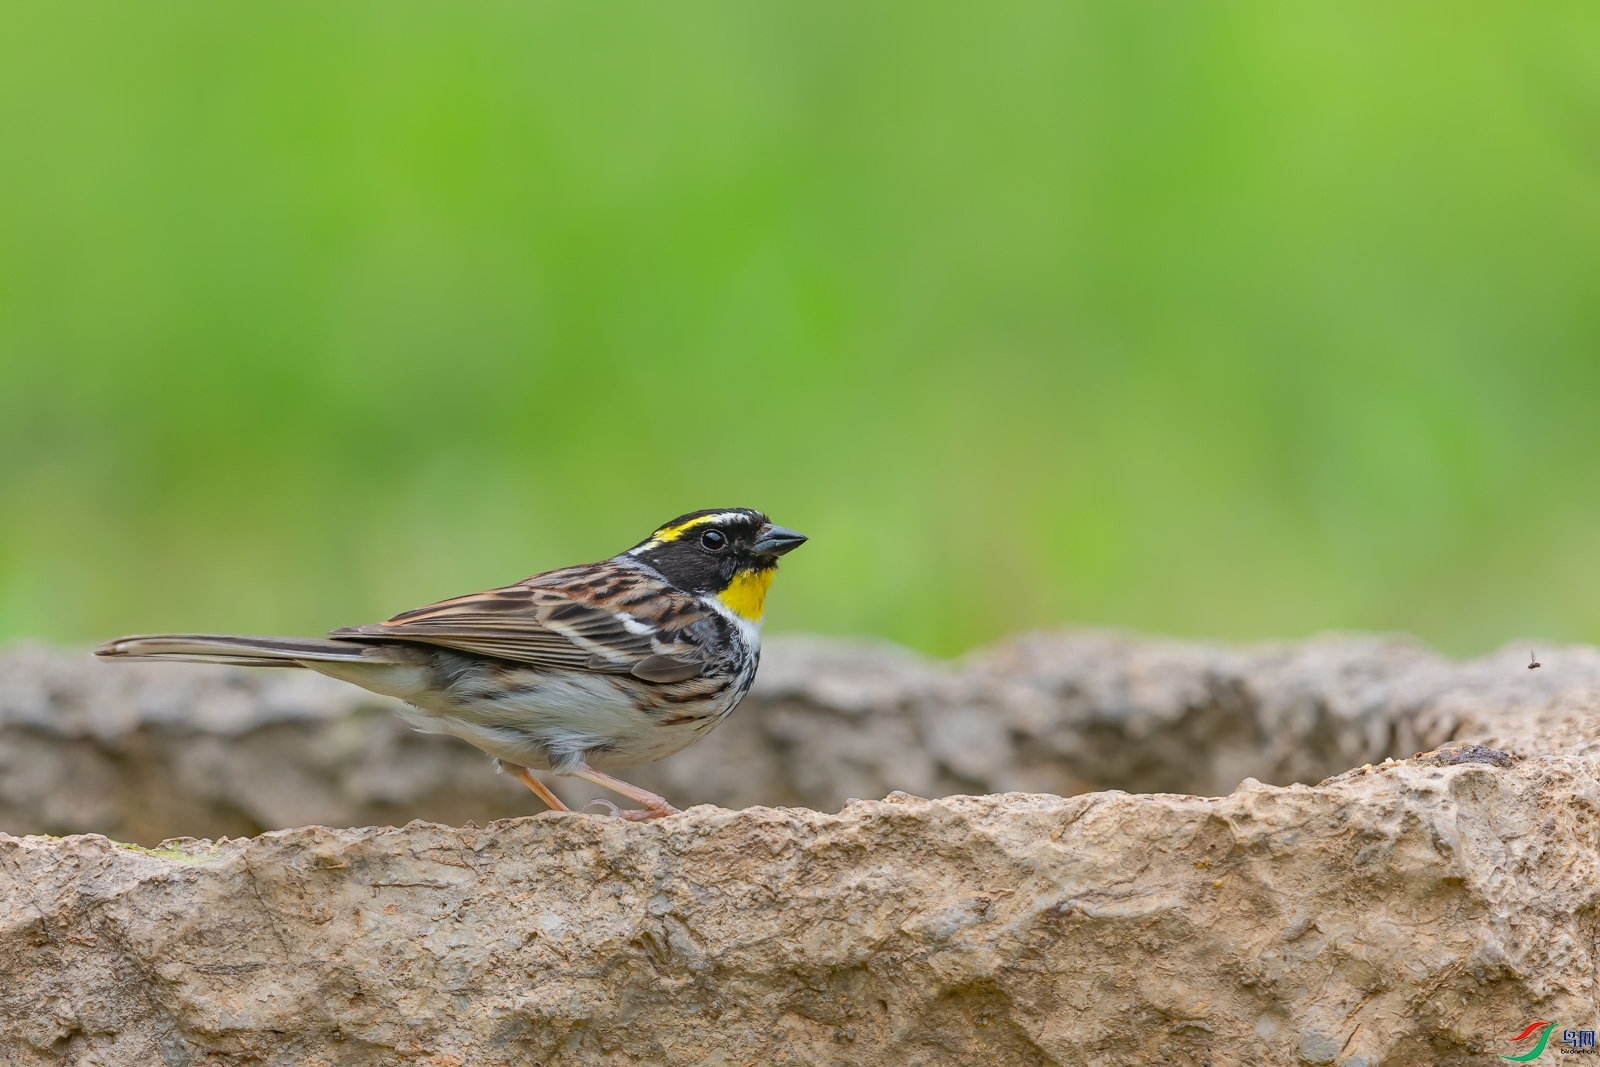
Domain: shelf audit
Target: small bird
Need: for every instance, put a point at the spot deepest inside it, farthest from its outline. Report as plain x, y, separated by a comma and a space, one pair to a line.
575, 671
1533, 660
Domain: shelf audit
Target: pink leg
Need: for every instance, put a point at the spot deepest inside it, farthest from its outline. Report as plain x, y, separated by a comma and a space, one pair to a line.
654, 807
540, 790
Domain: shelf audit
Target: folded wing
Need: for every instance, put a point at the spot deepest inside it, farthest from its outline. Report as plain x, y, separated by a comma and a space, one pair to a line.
547, 627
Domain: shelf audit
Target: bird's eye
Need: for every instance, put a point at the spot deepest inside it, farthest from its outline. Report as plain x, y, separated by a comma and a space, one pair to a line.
712, 540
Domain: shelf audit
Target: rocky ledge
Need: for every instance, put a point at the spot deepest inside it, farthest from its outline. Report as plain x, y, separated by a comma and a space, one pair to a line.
1418, 910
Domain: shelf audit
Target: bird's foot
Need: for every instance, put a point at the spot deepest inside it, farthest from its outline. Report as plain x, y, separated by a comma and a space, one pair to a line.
646, 814
655, 807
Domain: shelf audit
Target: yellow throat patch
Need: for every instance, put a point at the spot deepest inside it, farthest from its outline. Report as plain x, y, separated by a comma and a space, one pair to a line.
747, 593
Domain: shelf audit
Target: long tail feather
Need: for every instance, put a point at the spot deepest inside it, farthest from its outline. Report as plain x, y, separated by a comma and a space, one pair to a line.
238, 649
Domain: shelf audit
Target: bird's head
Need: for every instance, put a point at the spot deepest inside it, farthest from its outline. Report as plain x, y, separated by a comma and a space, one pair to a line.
728, 553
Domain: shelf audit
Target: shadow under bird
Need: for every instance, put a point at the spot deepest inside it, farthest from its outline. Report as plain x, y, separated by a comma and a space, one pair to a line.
575, 671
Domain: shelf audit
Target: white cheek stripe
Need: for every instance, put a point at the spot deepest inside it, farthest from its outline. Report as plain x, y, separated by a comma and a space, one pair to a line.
748, 629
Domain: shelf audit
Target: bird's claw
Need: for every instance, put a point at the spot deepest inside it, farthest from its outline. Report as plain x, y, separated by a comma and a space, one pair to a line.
646, 814
633, 814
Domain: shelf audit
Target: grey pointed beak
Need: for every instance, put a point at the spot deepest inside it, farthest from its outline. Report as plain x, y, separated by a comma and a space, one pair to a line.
775, 541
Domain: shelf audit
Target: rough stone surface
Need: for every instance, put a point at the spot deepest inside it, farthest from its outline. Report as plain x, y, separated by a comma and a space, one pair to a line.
145, 751
1417, 911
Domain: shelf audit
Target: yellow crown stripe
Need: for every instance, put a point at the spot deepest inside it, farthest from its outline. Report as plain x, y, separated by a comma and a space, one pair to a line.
672, 533
747, 593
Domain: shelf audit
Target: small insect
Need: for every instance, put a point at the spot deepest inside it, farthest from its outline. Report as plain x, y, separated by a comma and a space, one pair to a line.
1533, 660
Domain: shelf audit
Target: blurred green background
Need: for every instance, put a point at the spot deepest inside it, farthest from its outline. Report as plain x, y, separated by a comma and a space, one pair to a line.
1236, 319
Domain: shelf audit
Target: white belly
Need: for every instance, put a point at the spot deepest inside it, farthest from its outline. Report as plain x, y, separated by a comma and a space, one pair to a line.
569, 719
